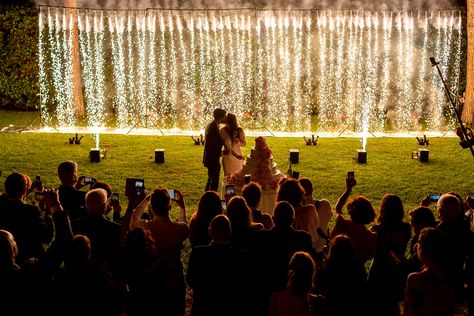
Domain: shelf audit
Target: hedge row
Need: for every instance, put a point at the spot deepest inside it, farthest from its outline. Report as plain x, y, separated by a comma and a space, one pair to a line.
19, 57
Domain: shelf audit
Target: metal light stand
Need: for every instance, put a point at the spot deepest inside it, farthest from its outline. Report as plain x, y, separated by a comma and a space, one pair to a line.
434, 63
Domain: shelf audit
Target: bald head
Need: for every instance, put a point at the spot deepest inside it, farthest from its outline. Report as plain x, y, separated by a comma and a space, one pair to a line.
449, 208
220, 230
96, 201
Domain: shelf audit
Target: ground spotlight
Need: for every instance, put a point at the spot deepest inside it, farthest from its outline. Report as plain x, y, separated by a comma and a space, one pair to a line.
95, 154
294, 155
361, 156
421, 154
159, 155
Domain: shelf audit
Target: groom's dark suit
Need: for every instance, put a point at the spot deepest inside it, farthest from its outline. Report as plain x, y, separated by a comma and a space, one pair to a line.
212, 154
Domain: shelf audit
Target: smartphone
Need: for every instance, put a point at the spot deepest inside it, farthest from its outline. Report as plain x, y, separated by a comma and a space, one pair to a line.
115, 197
350, 175
247, 179
37, 184
295, 175
230, 190
88, 180
172, 195
134, 185
39, 196
434, 197
224, 205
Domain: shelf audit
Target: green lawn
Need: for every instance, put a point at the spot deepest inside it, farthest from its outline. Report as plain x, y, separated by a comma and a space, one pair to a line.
389, 167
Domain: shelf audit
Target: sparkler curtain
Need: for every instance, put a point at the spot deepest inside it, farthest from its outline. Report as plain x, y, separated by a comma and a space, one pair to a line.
282, 70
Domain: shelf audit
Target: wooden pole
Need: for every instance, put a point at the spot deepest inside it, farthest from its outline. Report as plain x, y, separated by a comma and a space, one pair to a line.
76, 62
468, 110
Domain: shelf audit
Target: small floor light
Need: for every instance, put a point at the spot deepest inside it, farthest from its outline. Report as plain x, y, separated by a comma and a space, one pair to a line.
361, 156
94, 155
421, 154
159, 155
294, 155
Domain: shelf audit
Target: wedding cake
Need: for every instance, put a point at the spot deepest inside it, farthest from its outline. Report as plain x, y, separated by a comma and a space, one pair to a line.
260, 166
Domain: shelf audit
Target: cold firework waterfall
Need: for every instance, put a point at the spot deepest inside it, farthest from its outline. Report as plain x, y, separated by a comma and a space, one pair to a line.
281, 70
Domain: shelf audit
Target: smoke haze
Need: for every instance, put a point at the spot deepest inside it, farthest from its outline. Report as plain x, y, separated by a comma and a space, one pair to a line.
269, 4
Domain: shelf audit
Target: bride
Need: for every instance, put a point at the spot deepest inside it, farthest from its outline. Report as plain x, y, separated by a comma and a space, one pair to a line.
233, 137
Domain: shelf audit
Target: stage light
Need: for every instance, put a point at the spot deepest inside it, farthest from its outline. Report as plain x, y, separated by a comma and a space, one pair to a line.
96, 154
159, 155
361, 156
294, 155
421, 154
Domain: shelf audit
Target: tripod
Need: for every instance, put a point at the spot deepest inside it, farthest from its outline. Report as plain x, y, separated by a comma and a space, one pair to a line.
466, 136
144, 117
31, 122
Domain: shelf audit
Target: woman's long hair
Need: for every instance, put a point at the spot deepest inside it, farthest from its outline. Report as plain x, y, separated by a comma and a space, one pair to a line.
233, 126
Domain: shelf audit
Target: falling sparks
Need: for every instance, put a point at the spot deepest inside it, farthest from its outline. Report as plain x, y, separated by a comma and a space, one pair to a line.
285, 70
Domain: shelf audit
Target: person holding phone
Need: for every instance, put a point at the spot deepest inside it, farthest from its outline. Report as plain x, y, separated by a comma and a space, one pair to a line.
169, 237
113, 200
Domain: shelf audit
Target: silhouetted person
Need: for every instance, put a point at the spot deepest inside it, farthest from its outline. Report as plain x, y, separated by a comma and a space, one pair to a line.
431, 291
213, 150
361, 213
30, 227
209, 206
104, 234
343, 280
252, 193
295, 299
274, 248
386, 274
421, 217
218, 274
85, 287
169, 237
459, 236
73, 200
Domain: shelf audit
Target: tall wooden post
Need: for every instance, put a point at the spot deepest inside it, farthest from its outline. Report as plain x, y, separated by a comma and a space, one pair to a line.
468, 111
76, 61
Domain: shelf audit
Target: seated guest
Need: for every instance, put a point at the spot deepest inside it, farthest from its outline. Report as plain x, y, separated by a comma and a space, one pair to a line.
431, 291
295, 299
209, 206
386, 274
323, 207
104, 234
30, 227
169, 237
342, 281
218, 274
243, 228
361, 213
252, 193
70, 197
306, 216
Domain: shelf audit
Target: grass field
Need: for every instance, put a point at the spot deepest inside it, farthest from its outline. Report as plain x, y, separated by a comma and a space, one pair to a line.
389, 167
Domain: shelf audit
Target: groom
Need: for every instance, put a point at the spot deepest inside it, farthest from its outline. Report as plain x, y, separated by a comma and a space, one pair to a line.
213, 150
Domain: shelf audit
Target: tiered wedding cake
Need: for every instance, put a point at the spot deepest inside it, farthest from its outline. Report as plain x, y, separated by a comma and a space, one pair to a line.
260, 166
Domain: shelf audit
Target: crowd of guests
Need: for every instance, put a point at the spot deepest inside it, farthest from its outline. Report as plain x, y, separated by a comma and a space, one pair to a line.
76, 252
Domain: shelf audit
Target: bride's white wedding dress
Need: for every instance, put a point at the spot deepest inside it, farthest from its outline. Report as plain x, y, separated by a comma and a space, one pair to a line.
230, 163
